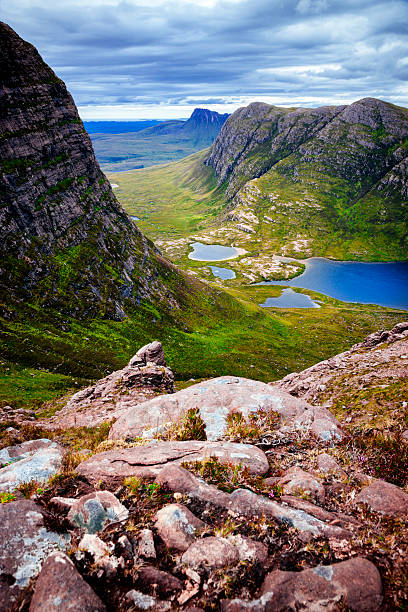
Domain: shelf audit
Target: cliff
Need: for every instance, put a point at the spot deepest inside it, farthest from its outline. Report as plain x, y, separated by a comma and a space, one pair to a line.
65, 241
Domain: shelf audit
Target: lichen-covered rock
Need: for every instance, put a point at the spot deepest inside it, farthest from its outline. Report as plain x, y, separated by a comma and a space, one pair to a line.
145, 544
219, 397
327, 465
94, 511
211, 552
385, 498
32, 460
177, 526
113, 466
179, 480
25, 543
140, 601
60, 587
249, 549
355, 583
159, 582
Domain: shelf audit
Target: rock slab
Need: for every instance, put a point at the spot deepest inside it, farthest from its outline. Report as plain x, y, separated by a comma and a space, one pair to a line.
92, 512
145, 461
219, 397
60, 587
25, 543
31, 460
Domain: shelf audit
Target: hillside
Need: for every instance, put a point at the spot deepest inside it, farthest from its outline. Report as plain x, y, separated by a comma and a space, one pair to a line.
330, 182
167, 141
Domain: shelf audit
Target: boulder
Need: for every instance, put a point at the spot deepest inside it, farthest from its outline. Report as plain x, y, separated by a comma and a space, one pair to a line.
112, 396
150, 353
111, 467
327, 465
177, 526
95, 510
158, 582
211, 552
249, 549
32, 460
219, 397
101, 553
385, 498
297, 481
60, 587
145, 544
355, 584
25, 543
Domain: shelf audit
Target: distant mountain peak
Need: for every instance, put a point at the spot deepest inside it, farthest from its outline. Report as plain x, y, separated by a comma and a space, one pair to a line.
203, 115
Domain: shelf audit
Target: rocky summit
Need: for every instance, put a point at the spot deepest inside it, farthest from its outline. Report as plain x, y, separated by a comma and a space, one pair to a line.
228, 495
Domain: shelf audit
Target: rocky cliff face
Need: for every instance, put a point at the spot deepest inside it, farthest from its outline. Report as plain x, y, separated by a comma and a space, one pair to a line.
365, 142
64, 239
204, 124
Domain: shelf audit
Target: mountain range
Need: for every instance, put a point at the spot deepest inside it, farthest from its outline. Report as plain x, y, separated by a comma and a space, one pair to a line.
161, 143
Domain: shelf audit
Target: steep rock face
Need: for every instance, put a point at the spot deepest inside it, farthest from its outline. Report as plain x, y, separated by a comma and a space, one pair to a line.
204, 125
360, 142
65, 241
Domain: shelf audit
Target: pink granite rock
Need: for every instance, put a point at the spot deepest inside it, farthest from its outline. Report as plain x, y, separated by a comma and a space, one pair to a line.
60, 588
177, 526
111, 467
219, 397
355, 583
95, 510
383, 497
297, 481
211, 552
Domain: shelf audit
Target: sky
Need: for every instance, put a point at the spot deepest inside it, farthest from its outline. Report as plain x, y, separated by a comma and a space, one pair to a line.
142, 59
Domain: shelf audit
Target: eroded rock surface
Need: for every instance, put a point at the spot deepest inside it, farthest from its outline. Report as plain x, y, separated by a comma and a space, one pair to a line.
355, 583
111, 397
60, 587
177, 526
113, 466
219, 397
32, 460
387, 349
212, 552
92, 512
25, 543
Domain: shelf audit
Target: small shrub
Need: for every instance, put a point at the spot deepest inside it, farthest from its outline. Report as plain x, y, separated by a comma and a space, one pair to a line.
190, 427
6, 497
227, 477
134, 484
253, 428
30, 488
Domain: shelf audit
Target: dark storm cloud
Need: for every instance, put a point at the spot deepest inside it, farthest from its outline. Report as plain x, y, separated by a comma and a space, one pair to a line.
143, 52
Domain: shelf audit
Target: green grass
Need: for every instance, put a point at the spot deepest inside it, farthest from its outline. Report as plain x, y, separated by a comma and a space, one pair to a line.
216, 333
172, 200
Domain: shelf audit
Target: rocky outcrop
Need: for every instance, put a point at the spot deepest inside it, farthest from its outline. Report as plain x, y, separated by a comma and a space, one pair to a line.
143, 378
354, 369
218, 398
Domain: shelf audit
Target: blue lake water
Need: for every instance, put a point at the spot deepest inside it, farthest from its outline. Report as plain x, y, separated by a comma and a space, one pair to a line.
290, 299
212, 252
135, 218
224, 273
385, 284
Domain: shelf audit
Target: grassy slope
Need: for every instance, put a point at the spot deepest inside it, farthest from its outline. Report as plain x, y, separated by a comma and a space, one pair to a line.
217, 334
172, 200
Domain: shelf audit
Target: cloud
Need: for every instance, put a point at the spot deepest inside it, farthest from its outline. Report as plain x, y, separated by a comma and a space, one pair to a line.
119, 56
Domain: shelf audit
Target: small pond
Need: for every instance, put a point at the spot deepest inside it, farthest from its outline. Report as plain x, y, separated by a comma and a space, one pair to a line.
212, 252
385, 284
290, 299
224, 273
135, 218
